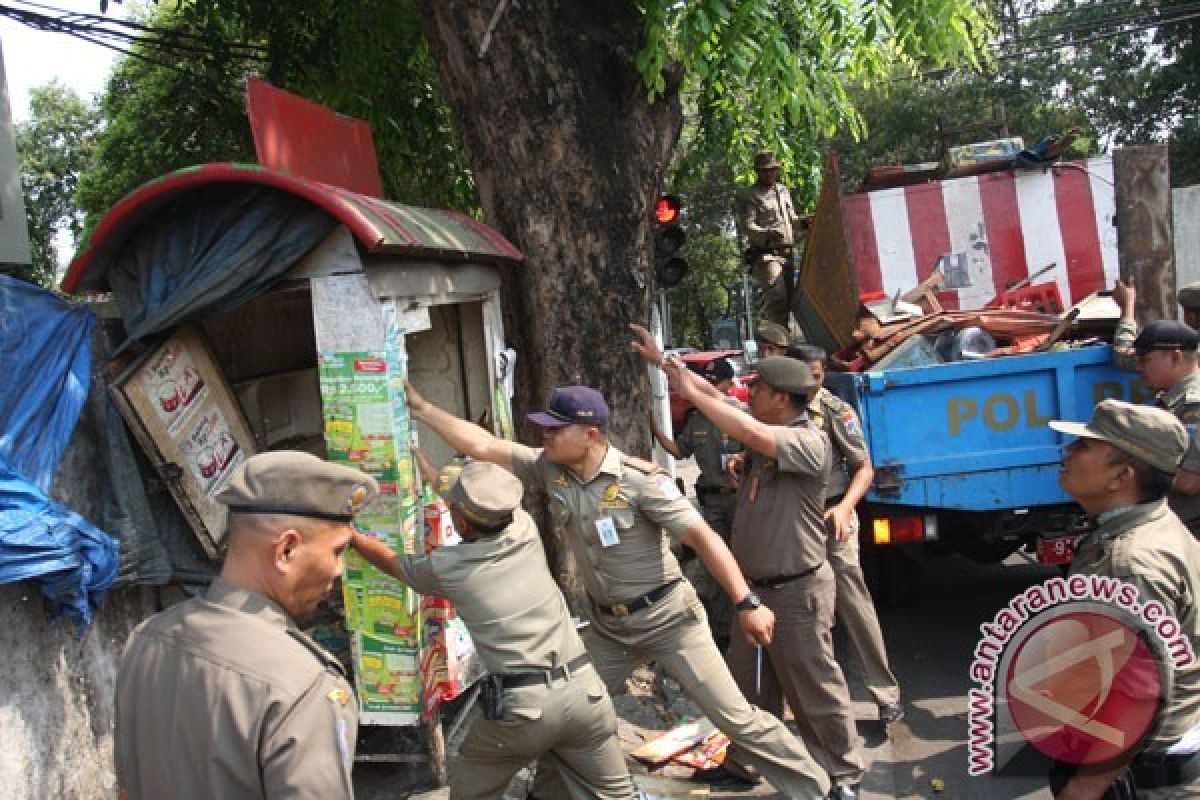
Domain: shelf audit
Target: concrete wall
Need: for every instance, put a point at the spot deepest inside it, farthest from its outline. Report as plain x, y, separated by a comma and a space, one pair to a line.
56, 687
56, 696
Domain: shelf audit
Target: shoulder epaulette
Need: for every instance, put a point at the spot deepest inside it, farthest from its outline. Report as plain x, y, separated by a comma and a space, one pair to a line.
320, 653
641, 465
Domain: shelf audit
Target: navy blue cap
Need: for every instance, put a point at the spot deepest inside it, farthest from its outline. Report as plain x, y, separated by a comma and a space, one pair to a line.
572, 405
1166, 334
719, 369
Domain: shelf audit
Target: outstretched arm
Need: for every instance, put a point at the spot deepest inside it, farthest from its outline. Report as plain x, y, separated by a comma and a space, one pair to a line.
462, 435
707, 399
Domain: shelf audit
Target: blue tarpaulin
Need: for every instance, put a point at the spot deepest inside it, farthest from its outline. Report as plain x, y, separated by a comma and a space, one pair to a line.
45, 358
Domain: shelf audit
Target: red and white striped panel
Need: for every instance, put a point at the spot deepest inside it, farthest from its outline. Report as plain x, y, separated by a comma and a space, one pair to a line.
1007, 224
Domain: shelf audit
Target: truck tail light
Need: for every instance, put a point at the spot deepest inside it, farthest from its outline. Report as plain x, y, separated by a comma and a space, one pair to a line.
907, 528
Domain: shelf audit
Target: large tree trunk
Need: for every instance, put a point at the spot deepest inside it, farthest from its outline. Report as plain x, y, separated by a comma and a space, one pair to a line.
568, 156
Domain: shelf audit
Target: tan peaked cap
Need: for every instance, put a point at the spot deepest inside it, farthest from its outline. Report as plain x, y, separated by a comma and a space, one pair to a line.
786, 374
484, 493
297, 484
1144, 432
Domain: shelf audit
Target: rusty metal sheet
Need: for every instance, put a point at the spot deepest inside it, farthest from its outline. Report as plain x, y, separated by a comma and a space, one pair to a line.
826, 296
377, 225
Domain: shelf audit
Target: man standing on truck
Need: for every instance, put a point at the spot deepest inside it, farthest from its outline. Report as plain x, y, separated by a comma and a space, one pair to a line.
1164, 355
714, 490
849, 479
779, 540
613, 511
1119, 470
767, 220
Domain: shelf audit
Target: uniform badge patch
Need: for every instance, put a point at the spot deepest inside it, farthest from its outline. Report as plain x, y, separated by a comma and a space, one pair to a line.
560, 480
612, 497
850, 423
355, 501
339, 695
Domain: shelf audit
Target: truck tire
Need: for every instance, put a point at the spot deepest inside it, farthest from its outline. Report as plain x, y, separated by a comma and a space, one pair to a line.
891, 576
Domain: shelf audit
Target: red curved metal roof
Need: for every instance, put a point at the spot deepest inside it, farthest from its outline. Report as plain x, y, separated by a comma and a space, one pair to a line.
379, 226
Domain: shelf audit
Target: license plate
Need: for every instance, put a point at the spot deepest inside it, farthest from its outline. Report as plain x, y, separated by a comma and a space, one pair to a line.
1058, 550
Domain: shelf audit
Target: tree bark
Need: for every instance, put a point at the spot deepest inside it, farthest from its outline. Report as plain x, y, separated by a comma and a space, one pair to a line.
568, 156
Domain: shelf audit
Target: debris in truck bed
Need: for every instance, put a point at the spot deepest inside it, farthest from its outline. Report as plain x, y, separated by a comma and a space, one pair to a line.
886, 339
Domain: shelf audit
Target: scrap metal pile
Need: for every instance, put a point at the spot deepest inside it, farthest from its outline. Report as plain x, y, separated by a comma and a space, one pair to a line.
912, 330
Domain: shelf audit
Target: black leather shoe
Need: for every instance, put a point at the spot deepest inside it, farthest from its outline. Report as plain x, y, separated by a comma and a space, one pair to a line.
891, 713
730, 776
846, 792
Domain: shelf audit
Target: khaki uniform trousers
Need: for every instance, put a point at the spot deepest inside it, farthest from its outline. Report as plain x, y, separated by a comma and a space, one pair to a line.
717, 510
1187, 791
799, 665
856, 614
674, 633
570, 723
767, 272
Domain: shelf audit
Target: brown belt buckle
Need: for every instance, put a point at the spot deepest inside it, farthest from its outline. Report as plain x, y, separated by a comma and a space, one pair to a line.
620, 610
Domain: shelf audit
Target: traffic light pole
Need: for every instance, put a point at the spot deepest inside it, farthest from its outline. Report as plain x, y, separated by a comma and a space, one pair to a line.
664, 313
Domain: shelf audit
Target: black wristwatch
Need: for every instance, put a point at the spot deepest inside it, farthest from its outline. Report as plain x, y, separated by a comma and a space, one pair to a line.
749, 603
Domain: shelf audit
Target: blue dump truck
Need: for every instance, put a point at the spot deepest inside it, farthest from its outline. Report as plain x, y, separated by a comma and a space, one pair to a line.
964, 460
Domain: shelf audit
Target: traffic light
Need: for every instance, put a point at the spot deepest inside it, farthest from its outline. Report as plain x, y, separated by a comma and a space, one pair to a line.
670, 263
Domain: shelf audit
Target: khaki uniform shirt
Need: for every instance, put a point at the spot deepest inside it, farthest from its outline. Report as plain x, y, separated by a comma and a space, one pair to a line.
766, 216
779, 525
503, 591
710, 446
1183, 400
222, 696
613, 523
839, 421
1146, 546
1124, 356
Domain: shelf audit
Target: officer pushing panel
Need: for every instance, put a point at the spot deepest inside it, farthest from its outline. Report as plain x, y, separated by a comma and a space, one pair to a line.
614, 511
541, 695
779, 541
222, 695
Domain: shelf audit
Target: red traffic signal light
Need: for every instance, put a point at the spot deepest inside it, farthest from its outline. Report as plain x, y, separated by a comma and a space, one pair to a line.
666, 210
670, 262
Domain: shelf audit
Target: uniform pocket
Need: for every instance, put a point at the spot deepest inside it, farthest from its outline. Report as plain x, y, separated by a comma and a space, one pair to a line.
624, 519
522, 714
595, 691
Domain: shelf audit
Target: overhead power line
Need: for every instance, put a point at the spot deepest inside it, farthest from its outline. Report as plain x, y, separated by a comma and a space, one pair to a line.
127, 37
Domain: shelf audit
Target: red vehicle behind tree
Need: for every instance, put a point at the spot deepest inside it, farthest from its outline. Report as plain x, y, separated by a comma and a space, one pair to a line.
695, 361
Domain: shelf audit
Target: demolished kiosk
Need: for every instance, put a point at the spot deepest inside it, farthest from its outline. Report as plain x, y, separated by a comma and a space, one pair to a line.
259, 310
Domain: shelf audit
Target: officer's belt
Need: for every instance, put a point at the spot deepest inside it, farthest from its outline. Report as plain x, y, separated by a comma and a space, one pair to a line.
779, 580
833, 501
518, 680
635, 605
1156, 771
705, 491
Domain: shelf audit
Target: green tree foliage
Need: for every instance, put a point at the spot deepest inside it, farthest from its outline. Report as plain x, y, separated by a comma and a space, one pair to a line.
171, 108
163, 111
774, 73
54, 147
1117, 73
